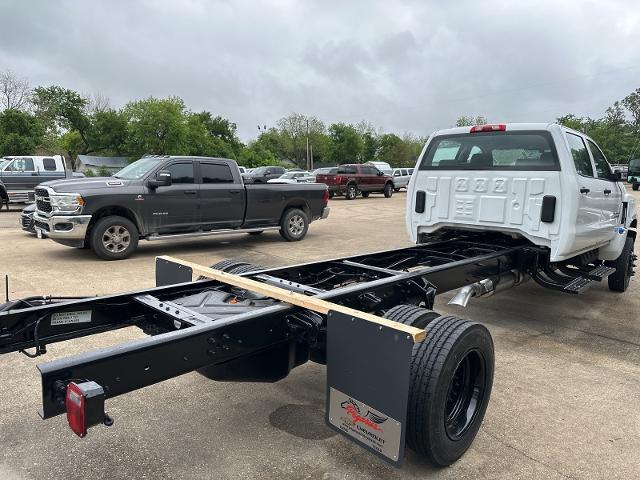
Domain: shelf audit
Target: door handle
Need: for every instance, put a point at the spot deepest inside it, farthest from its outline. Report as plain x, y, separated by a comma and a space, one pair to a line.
584, 190
190, 192
607, 191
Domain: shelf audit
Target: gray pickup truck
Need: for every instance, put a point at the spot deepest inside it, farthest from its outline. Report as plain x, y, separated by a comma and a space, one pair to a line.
164, 197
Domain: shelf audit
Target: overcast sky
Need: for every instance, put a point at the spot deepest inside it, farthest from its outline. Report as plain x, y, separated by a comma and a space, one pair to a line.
411, 66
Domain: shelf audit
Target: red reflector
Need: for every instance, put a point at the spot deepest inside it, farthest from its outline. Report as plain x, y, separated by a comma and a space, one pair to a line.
338, 179
326, 196
75, 404
501, 127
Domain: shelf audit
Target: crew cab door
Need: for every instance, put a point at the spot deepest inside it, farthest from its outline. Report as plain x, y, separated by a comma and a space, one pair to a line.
590, 227
175, 208
611, 192
20, 174
222, 199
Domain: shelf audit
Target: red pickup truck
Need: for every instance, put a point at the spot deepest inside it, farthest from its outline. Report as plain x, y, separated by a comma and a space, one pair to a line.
351, 179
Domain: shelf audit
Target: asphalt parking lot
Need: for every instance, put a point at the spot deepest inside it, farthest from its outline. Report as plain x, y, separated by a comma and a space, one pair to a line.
565, 402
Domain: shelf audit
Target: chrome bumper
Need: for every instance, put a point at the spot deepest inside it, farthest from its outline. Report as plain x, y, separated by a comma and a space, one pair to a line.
325, 213
68, 230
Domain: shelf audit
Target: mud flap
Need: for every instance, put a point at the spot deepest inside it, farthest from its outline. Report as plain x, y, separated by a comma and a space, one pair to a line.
368, 370
171, 273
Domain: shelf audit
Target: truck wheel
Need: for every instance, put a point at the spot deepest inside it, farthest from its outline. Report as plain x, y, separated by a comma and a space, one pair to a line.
294, 225
113, 238
388, 190
411, 315
635, 186
365, 194
619, 281
449, 390
352, 192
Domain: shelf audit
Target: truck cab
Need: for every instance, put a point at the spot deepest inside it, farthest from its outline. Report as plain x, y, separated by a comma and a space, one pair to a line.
633, 174
20, 175
547, 183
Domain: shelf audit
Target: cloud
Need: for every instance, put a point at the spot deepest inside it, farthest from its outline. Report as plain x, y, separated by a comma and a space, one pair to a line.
410, 66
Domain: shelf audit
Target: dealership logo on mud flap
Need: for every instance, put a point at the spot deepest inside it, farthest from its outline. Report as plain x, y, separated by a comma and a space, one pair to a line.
365, 424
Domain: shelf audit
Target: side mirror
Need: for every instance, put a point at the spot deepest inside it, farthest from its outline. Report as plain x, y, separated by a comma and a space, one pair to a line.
163, 179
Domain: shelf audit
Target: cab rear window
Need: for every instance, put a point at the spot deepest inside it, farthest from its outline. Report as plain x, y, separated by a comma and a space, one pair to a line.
518, 150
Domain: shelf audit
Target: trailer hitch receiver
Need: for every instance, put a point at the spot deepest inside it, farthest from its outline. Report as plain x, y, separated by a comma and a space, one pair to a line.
85, 407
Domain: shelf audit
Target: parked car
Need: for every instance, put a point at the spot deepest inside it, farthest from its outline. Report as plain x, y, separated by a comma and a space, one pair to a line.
294, 177
26, 218
324, 170
633, 174
384, 167
353, 179
401, 178
163, 197
263, 174
20, 174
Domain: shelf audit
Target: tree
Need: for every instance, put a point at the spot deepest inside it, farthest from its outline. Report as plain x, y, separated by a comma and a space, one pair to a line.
346, 144
293, 131
108, 132
632, 103
222, 129
20, 132
15, 93
156, 126
467, 121
255, 155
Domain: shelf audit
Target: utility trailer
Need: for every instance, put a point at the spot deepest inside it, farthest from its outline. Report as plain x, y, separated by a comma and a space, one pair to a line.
398, 373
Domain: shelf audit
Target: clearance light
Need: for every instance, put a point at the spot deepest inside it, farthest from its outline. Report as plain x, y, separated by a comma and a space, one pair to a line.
501, 127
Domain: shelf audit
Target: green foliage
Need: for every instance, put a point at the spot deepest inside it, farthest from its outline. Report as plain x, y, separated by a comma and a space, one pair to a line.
470, 120
20, 132
255, 155
346, 144
156, 126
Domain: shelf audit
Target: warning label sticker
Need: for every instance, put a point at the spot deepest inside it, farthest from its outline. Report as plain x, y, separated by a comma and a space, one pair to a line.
64, 318
364, 424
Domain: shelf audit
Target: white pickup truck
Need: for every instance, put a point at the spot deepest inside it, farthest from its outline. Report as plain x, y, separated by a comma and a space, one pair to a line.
544, 183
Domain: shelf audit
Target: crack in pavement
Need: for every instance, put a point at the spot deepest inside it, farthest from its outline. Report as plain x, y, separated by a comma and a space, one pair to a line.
539, 462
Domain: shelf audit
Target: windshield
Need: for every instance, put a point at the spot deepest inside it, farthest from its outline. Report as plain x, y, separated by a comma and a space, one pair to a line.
518, 150
260, 170
3, 163
634, 164
139, 168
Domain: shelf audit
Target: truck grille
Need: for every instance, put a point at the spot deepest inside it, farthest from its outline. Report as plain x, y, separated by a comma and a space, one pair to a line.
43, 204
41, 225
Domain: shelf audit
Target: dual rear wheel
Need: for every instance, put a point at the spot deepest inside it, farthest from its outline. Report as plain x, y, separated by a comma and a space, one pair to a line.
450, 384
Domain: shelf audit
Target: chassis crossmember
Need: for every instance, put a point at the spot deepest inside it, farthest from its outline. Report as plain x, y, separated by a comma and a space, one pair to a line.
243, 323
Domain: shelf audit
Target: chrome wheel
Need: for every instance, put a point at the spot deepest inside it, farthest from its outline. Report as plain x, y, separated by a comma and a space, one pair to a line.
116, 239
296, 225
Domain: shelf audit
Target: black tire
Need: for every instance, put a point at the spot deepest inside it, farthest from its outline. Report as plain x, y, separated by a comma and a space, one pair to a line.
294, 225
225, 265
365, 194
388, 190
352, 191
411, 315
619, 281
113, 238
635, 186
256, 233
450, 387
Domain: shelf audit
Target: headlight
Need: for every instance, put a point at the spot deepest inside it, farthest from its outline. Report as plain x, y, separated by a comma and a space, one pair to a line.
67, 203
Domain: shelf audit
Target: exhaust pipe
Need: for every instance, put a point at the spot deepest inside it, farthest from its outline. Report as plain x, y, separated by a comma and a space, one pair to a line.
488, 286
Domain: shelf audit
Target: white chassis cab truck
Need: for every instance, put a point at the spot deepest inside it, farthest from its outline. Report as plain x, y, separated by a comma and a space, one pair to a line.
543, 183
